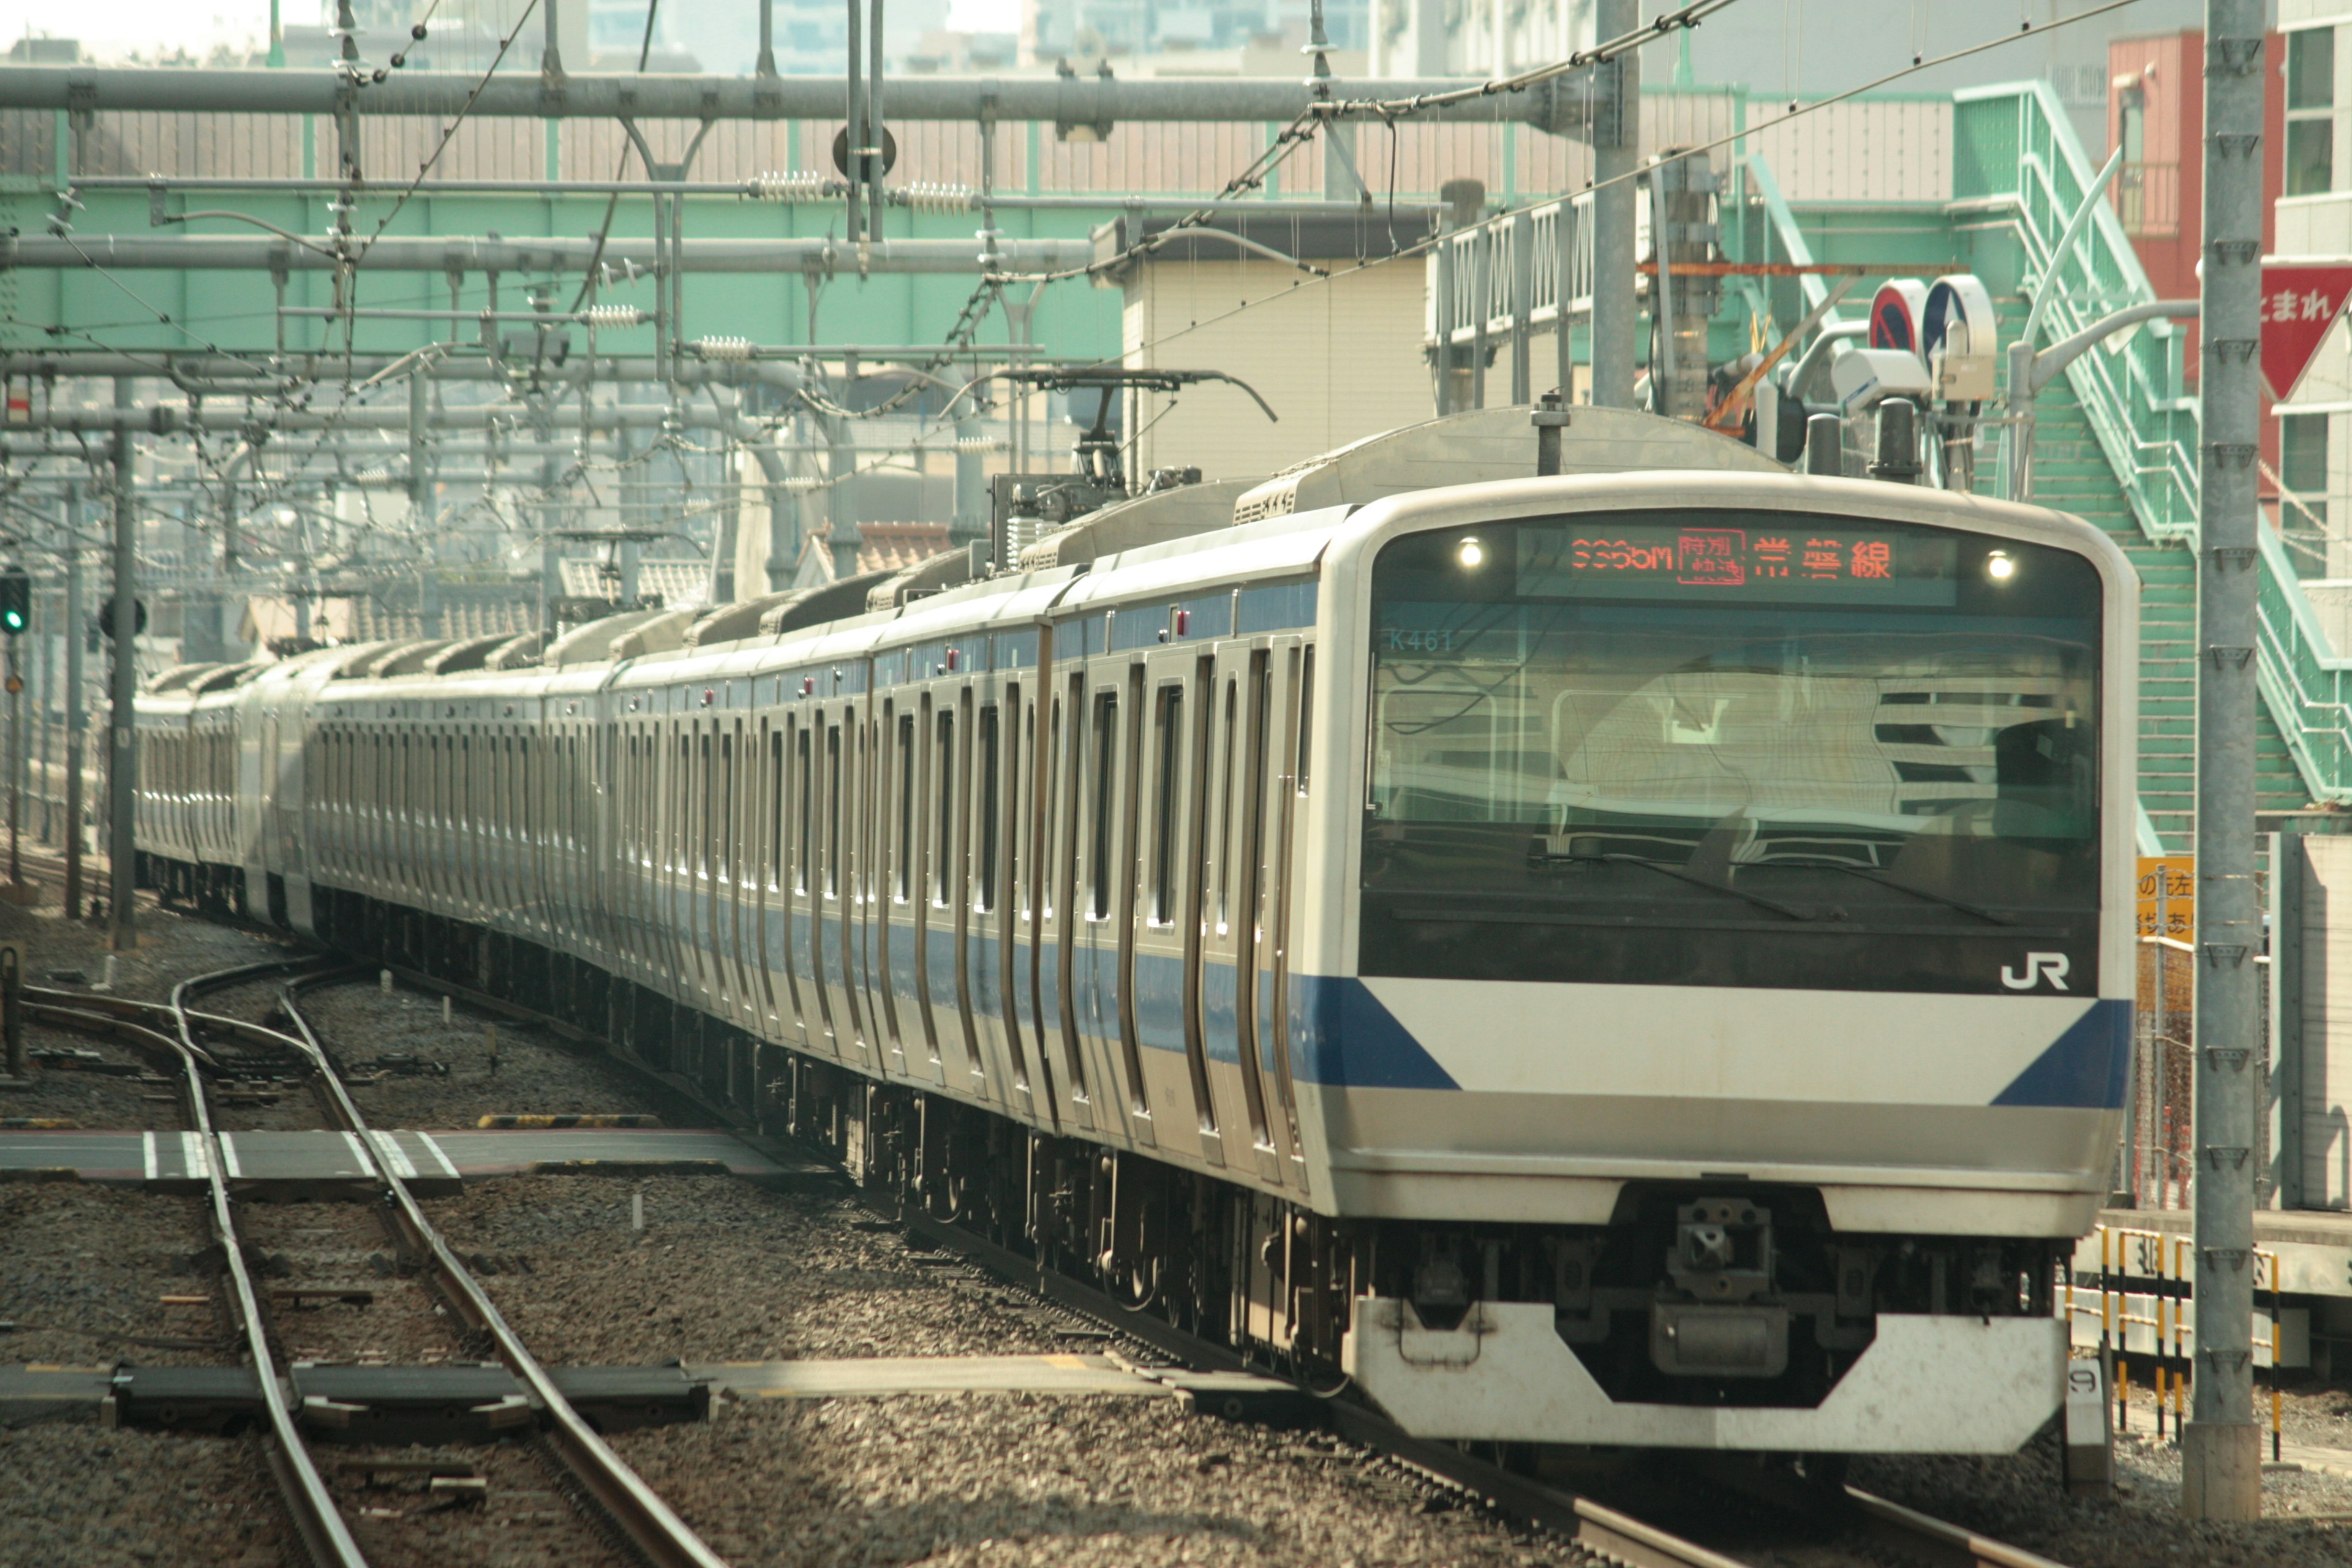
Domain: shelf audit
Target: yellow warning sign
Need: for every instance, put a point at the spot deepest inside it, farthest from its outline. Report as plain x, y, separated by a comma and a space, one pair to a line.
2167, 896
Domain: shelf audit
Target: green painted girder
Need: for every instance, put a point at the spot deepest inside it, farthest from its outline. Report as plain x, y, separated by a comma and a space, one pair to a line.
235, 311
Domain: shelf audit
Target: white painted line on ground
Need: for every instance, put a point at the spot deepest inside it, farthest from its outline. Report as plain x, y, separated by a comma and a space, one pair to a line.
152, 1158
228, 1157
439, 1157
195, 1164
396, 1158
359, 1153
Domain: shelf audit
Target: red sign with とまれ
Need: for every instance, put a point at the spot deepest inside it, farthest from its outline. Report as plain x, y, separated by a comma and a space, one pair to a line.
2300, 303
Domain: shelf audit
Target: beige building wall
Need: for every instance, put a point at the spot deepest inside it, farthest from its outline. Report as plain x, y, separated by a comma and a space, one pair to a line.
1338, 360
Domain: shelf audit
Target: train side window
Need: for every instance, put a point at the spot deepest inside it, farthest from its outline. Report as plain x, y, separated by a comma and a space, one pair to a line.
1106, 741
1168, 727
985, 860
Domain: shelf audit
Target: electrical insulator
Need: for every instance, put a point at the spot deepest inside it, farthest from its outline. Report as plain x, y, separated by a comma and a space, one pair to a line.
613, 316
931, 198
791, 185
723, 348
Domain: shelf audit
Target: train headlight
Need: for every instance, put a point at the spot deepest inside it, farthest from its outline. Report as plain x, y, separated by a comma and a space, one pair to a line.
1472, 554
1999, 567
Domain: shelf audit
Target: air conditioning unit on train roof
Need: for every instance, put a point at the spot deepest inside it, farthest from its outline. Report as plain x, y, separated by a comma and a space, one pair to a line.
1152, 517
1492, 444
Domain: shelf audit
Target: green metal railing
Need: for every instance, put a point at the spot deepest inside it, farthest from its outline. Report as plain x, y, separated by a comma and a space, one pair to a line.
2015, 153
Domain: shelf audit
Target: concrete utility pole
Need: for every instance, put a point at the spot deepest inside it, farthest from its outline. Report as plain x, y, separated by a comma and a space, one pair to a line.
76, 714
1616, 150
122, 770
2220, 1448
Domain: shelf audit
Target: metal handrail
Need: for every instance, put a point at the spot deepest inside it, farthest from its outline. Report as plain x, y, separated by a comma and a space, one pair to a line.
2133, 399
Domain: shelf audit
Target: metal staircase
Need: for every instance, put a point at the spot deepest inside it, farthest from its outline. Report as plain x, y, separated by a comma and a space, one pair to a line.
2116, 445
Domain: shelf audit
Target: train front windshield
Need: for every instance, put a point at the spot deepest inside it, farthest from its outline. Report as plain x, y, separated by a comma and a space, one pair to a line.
1746, 748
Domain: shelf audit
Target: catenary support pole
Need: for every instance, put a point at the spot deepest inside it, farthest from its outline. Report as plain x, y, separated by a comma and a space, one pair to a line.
122, 767
2220, 1447
1616, 149
75, 710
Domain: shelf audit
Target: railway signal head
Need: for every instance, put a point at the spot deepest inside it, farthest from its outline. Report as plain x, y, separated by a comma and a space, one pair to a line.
15, 600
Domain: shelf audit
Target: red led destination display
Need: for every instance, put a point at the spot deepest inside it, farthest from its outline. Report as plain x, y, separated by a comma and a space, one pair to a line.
1648, 561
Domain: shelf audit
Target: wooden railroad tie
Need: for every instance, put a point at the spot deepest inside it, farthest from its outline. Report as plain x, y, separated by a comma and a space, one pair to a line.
580, 1119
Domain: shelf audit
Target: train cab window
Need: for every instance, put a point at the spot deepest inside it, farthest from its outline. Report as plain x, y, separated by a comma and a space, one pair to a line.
1106, 745
1731, 748
1168, 729
984, 861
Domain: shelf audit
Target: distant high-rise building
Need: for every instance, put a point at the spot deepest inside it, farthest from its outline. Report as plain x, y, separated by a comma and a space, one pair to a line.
1070, 29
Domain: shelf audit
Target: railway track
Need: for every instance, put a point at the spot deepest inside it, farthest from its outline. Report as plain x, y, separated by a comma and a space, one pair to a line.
1849, 1514
205, 1047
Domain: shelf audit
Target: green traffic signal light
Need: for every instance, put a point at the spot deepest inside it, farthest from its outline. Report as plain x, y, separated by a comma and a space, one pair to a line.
15, 600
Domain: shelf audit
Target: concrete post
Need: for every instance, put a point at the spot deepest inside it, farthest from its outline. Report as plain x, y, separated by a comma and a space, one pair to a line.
122, 770
76, 698
1616, 149
2221, 1451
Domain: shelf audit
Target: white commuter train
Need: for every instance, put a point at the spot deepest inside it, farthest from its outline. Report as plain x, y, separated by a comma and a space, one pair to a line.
1638, 955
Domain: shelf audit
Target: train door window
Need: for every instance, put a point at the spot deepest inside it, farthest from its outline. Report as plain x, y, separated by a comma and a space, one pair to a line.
906, 858
775, 810
1244, 839
1167, 732
943, 842
1021, 820
727, 868
984, 861
1306, 700
807, 813
833, 811
1061, 795
1105, 744
1225, 807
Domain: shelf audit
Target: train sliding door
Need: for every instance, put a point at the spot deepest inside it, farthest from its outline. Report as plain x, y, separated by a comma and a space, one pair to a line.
1231, 815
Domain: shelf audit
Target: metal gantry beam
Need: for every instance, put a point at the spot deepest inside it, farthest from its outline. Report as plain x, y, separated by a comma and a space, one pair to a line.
455, 253
1558, 106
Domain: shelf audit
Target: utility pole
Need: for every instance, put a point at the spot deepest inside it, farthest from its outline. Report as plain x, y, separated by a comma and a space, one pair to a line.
76, 714
2220, 1447
122, 771
1616, 151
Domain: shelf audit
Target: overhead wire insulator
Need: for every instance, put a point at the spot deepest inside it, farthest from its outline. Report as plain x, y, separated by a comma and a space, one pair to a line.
788, 185
613, 316
723, 348
982, 444
801, 484
939, 198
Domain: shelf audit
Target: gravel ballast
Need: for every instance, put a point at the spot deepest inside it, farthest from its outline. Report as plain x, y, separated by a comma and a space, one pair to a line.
82, 1265
87, 1498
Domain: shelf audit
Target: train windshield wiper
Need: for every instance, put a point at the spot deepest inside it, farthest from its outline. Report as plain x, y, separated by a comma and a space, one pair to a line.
1666, 869
1883, 881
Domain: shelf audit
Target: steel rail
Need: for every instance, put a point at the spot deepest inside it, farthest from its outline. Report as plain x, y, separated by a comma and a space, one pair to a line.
325, 1535
666, 1539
